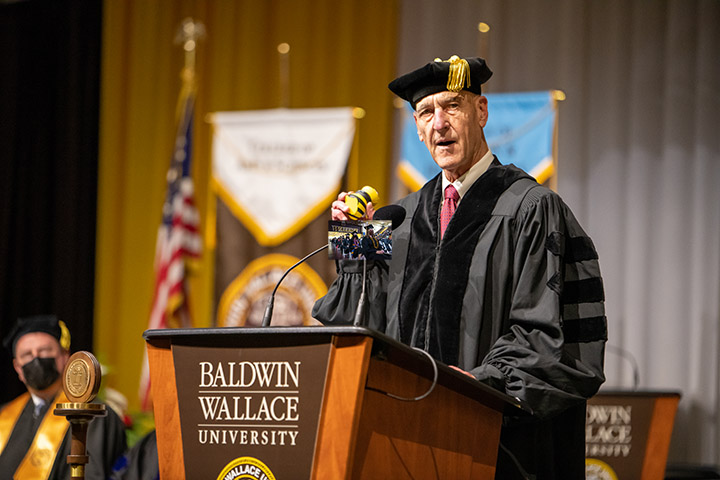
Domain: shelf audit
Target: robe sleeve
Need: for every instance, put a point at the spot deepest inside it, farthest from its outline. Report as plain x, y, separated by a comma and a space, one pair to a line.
140, 462
339, 305
551, 352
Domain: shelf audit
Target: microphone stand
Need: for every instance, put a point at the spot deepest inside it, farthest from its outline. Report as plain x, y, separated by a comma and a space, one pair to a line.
267, 317
360, 311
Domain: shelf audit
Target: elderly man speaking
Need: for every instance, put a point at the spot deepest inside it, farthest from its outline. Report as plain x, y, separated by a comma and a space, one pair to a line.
492, 274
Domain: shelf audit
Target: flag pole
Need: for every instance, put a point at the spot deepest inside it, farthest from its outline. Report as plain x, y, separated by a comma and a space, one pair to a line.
178, 242
284, 60
557, 97
483, 40
353, 169
188, 35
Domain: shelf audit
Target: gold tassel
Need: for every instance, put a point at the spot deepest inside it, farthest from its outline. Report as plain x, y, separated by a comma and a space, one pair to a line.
459, 73
64, 336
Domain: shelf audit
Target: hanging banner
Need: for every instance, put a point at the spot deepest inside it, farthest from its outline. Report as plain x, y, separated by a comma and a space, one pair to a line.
520, 131
279, 169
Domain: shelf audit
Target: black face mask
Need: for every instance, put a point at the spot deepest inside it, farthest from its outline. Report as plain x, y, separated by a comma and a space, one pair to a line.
40, 373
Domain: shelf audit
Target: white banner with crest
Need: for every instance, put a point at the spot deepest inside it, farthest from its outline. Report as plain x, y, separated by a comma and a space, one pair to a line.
279, 169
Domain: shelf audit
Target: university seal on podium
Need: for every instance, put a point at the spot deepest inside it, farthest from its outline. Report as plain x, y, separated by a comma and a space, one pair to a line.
247, 468
598, 470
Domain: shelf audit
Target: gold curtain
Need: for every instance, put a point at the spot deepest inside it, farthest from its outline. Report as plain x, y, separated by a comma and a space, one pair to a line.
342, 54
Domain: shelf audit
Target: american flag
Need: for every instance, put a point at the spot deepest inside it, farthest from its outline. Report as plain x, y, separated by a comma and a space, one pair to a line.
178, 241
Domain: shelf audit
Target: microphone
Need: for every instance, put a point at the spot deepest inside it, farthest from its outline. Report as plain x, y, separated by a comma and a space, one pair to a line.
396, 214
267, 316
630, 358
392, 212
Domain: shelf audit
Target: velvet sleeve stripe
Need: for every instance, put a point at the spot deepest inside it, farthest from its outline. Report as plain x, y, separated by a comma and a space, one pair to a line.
583, 291
577, 311
585, 330
582, 270
579, 249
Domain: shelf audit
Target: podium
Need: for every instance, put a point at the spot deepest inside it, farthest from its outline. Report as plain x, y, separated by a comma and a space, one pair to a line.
316, 402
628, 433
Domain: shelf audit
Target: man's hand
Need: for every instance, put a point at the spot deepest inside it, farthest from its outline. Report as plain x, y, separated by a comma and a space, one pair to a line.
462, 371
339, 209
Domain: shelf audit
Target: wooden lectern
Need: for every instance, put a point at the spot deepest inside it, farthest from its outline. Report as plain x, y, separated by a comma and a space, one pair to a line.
316, 402
627, 434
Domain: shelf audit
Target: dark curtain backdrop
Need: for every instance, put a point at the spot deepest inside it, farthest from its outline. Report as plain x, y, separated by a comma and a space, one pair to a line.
49, 104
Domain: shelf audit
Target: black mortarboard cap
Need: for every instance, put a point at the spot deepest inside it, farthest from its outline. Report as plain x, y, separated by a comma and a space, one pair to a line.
454, 74
39, 323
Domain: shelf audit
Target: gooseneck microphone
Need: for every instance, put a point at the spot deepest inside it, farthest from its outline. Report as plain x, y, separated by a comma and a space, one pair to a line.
267, 317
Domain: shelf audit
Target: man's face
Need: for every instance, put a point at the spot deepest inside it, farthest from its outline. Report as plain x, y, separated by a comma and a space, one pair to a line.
38, 344
451, 126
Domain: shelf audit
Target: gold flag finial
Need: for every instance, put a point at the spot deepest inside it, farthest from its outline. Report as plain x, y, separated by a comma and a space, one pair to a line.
459, 74
188, 34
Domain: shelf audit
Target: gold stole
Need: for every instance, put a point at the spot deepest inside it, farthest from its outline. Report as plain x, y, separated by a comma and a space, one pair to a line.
40, 457
9, 416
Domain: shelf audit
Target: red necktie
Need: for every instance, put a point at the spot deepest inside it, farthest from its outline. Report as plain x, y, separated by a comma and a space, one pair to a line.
448, 208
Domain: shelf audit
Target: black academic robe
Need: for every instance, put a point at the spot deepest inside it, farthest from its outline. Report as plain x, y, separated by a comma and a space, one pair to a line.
512, 293
106, 442
369, 246
140, 462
